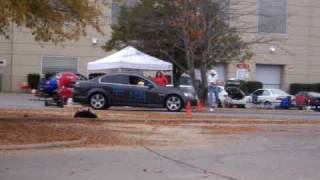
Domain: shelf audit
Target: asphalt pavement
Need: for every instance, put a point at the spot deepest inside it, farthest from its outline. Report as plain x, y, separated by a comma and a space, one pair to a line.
28, 101
283, 155
267, 114
20, 101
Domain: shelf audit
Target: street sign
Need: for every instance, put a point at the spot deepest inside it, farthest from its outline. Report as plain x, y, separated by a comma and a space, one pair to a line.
243, 71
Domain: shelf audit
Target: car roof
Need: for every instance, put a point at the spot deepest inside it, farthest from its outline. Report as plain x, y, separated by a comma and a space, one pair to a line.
127, 74
270, 89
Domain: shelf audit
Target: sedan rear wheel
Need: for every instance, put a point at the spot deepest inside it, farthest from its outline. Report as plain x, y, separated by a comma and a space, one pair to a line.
174, 103
98, 101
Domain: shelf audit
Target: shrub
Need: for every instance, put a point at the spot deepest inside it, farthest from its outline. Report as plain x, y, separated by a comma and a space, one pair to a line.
33, 80
253, 85
316, 87
297, 87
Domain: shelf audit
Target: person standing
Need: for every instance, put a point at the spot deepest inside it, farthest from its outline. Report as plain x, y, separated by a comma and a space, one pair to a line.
160, 79
212, 78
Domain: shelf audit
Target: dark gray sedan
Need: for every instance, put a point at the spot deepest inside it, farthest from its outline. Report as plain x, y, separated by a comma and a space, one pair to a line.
129, 90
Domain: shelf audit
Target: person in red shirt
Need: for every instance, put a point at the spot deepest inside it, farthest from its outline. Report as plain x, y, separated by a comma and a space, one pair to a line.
160, 79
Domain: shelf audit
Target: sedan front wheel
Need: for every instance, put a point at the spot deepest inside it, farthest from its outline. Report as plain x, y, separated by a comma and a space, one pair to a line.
98, 101
174, 103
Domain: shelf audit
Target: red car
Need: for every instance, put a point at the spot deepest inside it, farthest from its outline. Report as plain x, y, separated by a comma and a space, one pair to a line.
308, 98
65, 81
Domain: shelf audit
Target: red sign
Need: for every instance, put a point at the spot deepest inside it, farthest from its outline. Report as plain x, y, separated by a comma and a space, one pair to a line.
243, 66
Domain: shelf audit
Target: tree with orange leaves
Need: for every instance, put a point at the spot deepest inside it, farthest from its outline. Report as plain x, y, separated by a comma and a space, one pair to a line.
50, 20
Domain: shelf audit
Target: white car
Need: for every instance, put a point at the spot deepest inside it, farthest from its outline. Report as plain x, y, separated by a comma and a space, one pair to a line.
188, 90
236, 98
222, 96
270, 98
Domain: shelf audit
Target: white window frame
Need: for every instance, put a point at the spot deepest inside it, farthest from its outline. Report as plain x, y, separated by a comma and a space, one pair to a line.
58, 56
258, 20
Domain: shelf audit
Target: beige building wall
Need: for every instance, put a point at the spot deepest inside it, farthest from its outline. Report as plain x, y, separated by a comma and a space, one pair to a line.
6, 54
298, 50
24, 55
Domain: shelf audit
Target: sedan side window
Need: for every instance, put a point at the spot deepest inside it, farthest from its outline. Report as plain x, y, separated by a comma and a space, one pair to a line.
258, 93
111, 79
266, 93
138, 81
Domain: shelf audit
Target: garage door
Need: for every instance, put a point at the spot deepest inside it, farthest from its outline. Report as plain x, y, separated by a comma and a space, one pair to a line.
269, 75
221, 70
59, 64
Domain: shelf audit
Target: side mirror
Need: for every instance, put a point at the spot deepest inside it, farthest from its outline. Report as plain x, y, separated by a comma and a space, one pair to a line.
150, 86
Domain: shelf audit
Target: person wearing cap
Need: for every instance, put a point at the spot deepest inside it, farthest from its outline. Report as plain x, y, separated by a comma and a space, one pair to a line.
141, 83
212, 78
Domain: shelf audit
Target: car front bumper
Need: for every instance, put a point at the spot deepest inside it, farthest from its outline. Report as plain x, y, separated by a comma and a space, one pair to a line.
80, 99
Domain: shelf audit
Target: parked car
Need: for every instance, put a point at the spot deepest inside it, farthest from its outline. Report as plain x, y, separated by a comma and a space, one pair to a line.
129, 90
187, 88
308, 98
94, 75
269, 98
46, 87
236, 97
222, 96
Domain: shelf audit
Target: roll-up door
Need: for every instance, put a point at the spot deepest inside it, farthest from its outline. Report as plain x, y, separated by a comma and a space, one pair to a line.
221, 70
59, 64
269, 75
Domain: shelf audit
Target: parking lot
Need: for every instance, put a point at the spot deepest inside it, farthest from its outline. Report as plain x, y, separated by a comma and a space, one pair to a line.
28, 101
220, 150
139, 143
21, 101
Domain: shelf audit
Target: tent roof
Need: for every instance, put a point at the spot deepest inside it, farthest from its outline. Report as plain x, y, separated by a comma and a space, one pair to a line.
129, 58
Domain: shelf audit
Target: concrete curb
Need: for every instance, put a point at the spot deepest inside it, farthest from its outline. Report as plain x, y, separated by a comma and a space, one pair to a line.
41, 145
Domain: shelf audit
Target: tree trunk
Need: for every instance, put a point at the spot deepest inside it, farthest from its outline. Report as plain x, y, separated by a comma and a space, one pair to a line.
191, 68
204, 82
176, 76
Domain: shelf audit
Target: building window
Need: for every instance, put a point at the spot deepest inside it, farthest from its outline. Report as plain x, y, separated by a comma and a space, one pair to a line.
52, 64
224, 10
115, 12
272, 16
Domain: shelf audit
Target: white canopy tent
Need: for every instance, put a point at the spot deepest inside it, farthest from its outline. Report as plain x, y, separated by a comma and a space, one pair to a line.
129, 58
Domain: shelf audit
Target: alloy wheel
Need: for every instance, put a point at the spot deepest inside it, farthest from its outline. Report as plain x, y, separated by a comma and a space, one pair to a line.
174, 103
98, 101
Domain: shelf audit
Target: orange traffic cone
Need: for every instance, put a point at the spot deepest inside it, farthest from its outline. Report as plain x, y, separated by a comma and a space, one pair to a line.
199, 106
189, 108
